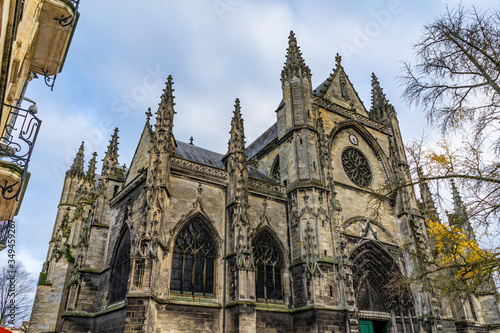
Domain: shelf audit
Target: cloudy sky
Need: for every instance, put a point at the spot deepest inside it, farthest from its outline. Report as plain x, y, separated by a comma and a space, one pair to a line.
216, 50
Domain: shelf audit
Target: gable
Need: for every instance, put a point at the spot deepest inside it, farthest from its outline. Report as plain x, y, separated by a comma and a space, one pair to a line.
338, 89
141, 155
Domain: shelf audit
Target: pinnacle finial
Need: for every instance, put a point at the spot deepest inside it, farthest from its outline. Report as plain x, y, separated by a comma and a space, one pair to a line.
113, 145
110, 161
379, 110
165, 119
91, 169
237, 140
457, 200
76, 168
148, 114
166, 104
237, 108
459, 217
425, 192
338, 59
294, 64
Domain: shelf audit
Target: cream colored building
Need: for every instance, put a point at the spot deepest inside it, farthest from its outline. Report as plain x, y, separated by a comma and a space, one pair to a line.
35, 36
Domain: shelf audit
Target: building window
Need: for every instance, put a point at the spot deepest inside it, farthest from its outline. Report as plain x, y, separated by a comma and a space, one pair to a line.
269, 264
120, 269
275, 173
193, 262
356, 167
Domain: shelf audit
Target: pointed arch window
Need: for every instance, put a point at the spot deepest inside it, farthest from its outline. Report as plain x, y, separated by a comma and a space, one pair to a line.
120, 269
193, 263
275, 171
269, 264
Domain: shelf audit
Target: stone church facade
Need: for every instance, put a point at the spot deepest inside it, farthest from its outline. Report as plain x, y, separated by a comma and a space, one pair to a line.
281, 235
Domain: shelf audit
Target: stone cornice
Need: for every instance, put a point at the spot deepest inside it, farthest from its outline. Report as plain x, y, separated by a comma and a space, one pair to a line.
332, 107
199, 168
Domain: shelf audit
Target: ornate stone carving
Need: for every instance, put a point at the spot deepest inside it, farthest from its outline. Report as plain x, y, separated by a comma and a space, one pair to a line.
158, 177
356, 167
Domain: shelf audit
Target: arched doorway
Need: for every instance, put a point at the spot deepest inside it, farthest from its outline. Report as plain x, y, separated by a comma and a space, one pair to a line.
374, 275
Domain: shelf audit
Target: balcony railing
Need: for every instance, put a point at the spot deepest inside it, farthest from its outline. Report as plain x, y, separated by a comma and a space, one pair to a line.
16, 145
64, 21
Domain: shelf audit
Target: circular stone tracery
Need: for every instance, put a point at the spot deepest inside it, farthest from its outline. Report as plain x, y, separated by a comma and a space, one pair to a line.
356, 167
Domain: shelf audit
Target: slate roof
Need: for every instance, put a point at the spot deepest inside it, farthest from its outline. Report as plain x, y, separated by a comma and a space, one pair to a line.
267, 137
207, 157
322, 86
254, 173
199, 155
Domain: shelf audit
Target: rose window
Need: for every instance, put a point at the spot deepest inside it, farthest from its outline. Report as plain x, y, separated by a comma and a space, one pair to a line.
356, 167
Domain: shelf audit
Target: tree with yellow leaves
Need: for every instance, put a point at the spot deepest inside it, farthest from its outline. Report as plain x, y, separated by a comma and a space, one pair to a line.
455, 81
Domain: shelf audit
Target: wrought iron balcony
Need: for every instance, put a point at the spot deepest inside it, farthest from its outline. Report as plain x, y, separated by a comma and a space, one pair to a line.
4, 233
16, 145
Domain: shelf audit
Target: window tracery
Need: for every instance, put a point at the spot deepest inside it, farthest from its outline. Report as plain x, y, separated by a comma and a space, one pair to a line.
193, 263
269, 265
356, 167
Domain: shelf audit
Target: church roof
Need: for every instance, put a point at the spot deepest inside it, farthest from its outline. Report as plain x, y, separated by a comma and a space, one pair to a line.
321, 87
254, 173
262, 141
199, 155
203, 156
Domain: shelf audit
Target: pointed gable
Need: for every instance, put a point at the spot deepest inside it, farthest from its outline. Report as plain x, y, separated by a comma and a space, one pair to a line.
141, 155
338, 89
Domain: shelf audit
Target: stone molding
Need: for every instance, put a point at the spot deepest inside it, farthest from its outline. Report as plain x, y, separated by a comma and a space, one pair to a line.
374, 315
184, 164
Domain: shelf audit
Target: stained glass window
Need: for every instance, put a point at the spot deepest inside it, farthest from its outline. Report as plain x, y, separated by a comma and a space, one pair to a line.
120, 269
193, 262
356, 167
269, 264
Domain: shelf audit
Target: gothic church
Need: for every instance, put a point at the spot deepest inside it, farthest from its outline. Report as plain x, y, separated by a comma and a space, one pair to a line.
274, 236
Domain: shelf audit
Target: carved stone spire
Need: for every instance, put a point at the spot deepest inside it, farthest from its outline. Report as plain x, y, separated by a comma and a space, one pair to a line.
162, 141
238, 240
157, 181
457, 200
428, 207
237, 141
110, 161
294, 65
459, 216
381, 109
76, 169
237, 165
90, 177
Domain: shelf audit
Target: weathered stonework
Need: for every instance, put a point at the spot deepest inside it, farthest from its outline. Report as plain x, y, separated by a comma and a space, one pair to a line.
273, 237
